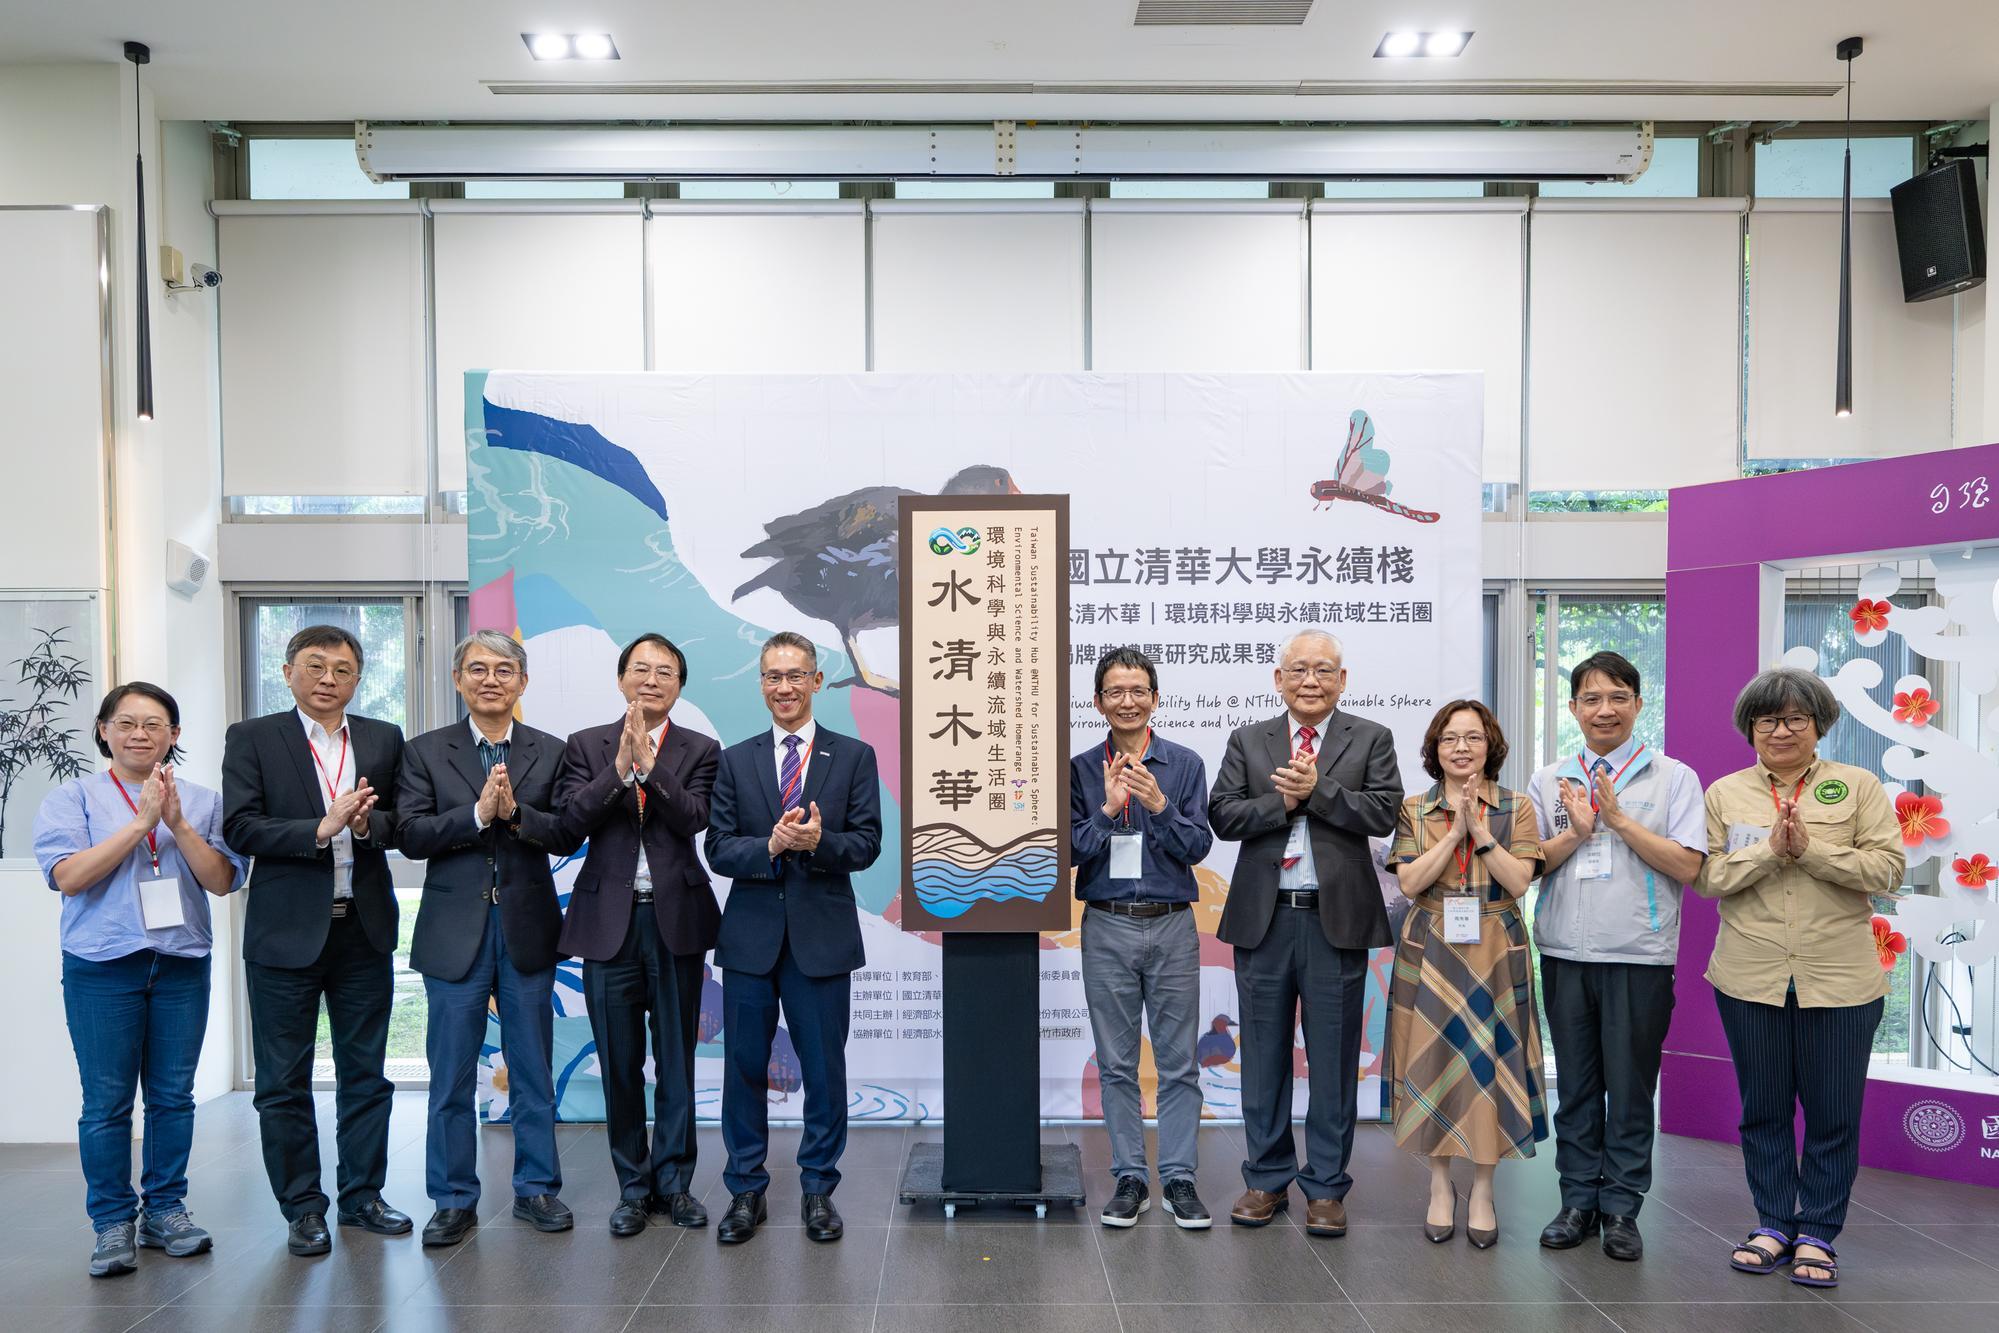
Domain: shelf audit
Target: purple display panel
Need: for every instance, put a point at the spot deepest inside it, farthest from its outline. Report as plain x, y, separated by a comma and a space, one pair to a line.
1718, 539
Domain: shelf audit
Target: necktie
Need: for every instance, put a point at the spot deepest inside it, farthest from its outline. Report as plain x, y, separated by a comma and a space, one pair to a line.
491, 754
1599, 768
788, 782
1305, 735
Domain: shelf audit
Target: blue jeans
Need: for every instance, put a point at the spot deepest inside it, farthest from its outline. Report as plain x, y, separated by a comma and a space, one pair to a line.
456, 1035
135, 1020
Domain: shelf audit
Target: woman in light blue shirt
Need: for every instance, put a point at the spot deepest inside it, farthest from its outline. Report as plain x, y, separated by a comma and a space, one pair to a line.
134, 851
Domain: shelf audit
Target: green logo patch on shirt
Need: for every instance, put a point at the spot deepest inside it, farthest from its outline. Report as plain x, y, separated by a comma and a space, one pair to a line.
1830, 792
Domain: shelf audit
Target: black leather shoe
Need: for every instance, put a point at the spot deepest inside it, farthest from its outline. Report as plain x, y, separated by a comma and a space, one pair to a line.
309, 1235
545, 1211
822, 1219
375, 1215
684, 1209
1571, 1227
1621, 1239
448, 1226
1126, 1203
746, 1213
629, 1217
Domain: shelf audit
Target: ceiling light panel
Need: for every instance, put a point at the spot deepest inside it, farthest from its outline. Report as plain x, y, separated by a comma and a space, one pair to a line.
570, 45
1406, 44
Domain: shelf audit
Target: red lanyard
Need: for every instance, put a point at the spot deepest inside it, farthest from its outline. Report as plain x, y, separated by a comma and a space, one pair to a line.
1796, 792
1589, 781
1124, 815
784, 799
152, 834
332, 783
1461, 852
657, 746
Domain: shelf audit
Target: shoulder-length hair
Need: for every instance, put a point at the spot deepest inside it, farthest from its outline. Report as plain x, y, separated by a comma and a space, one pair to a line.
1495, 739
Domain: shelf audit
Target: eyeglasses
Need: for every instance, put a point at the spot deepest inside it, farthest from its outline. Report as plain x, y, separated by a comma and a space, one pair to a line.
1469, 740
501, 673
773, 679
1618, 699
665, 675
316, 669
125, 726
1792, 722
1138, 694
1298, 673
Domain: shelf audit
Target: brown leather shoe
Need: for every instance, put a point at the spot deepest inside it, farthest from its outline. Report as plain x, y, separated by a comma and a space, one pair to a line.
1325, 1217
1256, 1207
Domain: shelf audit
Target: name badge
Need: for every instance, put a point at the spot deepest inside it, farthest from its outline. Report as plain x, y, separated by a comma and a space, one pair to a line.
1127, 856
1593, 859
159, 903
1460, 919
1744, 836
1300, 839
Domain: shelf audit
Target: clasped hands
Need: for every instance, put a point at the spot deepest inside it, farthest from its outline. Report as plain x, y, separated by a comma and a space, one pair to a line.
349, 811
1470, 826
1788, 838
159, 803
635, 748
1295, 781
796, 831
496, 799
1583, 816
1124, 778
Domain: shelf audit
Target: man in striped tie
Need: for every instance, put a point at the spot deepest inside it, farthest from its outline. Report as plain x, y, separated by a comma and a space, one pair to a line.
795, 815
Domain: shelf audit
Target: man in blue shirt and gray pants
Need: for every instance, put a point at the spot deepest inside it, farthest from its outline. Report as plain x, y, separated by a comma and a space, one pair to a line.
1138, 825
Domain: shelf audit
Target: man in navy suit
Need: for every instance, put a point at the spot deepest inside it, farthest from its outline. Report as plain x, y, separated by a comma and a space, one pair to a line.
475, 802
796, 812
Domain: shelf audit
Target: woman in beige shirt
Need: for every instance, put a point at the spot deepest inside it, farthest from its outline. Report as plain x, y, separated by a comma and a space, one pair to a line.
1796, 844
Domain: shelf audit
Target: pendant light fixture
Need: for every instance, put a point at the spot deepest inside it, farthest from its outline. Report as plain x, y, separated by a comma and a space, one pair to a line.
139, 54
1842, 374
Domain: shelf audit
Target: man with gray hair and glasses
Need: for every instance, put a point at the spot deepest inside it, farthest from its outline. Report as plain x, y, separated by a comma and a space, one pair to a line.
476, 803
1303, 792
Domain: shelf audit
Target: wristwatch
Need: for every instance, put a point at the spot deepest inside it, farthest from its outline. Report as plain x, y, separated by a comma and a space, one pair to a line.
1481, 851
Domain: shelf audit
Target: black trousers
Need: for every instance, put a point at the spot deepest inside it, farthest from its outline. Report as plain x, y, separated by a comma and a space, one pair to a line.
358, 983
1787, 1058
1297, 969
1608, 1023
647, 987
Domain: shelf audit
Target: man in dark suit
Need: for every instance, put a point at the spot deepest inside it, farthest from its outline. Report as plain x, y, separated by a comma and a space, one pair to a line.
1302, 793
797, 813
641, 916
475, 802
309, 793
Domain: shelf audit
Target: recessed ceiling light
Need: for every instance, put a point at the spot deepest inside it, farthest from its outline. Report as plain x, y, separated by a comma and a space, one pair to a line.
570, 45
1397, 45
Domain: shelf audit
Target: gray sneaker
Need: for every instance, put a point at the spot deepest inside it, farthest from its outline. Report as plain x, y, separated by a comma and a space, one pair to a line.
173, 1232
116, 1251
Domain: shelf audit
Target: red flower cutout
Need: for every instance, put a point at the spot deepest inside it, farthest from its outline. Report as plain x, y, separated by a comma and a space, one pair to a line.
1868, 616
1889, 943
1975, 872
1920, 817
1916, 707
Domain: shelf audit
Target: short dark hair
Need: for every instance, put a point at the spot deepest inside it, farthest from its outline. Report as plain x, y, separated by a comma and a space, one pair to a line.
786, 638
1774, 692
1614, 665
324, 636
1495, 739
1127, 656
144, 689
659, 641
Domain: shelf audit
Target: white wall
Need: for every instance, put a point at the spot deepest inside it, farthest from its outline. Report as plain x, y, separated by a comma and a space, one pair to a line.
66, 138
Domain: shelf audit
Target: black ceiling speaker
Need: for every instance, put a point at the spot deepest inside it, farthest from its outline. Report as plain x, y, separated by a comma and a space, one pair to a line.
1938, 232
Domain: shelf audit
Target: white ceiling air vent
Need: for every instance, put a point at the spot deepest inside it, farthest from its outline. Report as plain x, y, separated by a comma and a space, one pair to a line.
1194, 13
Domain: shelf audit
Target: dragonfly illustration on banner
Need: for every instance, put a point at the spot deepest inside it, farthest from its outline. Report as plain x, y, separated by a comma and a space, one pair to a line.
1361, 474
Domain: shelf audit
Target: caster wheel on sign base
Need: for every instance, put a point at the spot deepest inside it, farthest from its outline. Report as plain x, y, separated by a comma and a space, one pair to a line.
950, 1211
1041, 1210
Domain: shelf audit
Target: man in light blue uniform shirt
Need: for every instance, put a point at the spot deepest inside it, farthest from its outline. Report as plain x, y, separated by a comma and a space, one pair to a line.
1623, 829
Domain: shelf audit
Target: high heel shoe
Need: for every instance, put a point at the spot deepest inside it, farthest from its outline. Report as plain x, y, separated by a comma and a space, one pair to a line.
1482, 1238
1437, 1235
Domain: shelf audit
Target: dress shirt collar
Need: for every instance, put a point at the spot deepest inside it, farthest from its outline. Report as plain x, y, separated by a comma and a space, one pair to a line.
314, 731
478, 735
804, 734
1617, 758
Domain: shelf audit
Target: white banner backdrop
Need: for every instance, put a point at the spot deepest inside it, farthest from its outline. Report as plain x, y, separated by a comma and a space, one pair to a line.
1211, 518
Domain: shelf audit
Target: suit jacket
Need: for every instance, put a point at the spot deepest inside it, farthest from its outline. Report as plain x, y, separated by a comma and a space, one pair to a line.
438, 788
597, 806
804, 898
272, 802
1359, 793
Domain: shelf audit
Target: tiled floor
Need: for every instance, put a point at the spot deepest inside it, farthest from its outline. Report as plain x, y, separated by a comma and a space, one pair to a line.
1917, 1254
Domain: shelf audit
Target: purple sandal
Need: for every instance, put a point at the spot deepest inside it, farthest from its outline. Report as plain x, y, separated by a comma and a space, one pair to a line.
1770, 1262
1830, 1264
